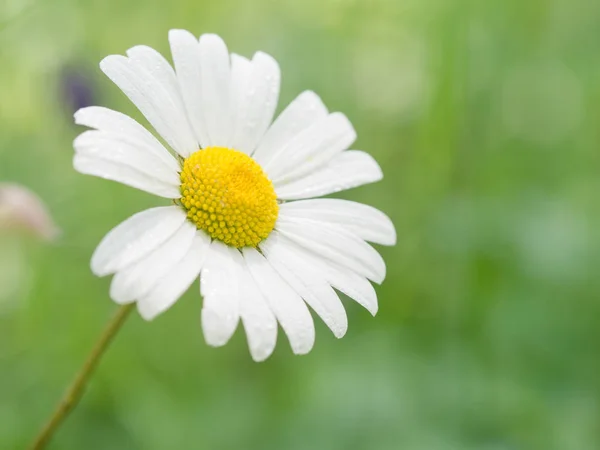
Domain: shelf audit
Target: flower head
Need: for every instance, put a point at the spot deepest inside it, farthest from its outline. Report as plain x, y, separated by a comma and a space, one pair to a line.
244, 220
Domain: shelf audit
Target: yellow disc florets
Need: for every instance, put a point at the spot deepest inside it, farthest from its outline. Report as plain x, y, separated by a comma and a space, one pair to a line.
227, 194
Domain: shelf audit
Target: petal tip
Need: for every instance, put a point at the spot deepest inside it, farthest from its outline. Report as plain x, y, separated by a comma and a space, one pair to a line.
212, 342
78, 115
346, 125
313, 99
301, 351
174, 31
340, 331
215, 334
393, 239
146, 313
107, 60
97, 270
212, 39
263, 55
303, 347
261, 355
373, 310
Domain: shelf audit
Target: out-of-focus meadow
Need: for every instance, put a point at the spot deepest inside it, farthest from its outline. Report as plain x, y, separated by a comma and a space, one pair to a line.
485, 118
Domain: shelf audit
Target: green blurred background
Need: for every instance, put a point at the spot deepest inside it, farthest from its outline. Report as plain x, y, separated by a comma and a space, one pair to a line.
485, 118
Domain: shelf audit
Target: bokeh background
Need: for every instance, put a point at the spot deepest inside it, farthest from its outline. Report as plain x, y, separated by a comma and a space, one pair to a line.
485, 118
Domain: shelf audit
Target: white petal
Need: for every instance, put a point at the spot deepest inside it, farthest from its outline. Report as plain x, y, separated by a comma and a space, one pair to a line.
152, 62
259, 321
291, 312
174, 284
309, 283
254, 100
124, 174
336, 244
350, 283
312, 148
365, 221
138, 279
350, 169
116, 123
134, 238
186, 57
127, 152
301, 113
216, 86
219, 288
150, 92
345, 280
241, 76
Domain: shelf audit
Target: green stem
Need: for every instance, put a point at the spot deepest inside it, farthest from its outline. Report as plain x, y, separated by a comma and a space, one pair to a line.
76, 388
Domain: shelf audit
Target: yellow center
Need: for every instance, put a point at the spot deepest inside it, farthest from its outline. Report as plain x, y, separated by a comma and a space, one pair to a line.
227, 194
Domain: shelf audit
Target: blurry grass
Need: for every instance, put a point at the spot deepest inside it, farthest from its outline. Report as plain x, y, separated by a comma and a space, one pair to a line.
484, 117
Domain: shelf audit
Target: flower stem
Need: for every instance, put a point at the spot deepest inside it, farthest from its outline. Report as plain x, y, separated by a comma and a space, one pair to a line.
76, 388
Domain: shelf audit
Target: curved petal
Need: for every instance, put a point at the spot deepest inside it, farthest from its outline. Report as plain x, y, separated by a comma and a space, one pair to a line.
215, 73
353, 285
350, 169
109, 170
137, 280
174, 284
312, 148
219, 288
365, 221
300, 114
153, 63
308, 283
125, 151
344, 280
254, 100
289, 309
118, 124
241, 76
151, 94
185, 50
136, 237
336, 244
259, 321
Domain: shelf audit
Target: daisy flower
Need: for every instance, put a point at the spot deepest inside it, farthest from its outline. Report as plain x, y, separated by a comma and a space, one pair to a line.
243, 217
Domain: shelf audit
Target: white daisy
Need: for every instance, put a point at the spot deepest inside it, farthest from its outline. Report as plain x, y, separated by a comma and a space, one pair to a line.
261, 258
